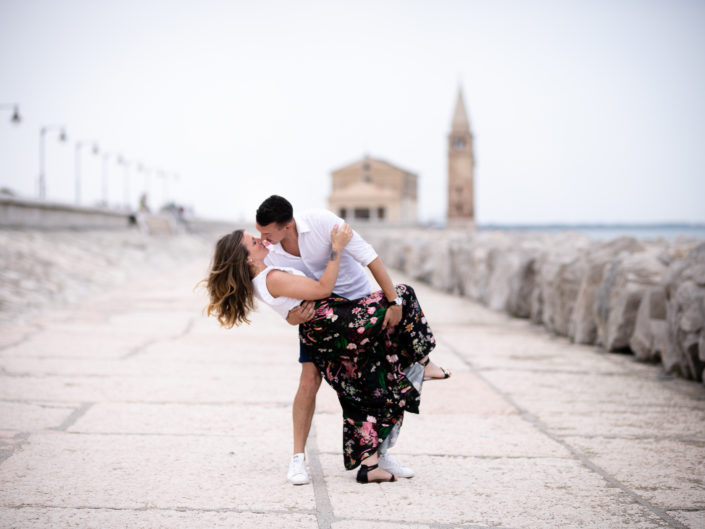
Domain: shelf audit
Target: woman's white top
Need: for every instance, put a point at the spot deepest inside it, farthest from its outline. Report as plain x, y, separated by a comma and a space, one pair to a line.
281, 304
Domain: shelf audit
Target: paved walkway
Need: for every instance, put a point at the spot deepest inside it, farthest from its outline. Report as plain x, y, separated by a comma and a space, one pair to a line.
132, 410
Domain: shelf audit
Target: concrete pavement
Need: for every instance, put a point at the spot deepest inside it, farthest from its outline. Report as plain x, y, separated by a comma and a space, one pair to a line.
133, 410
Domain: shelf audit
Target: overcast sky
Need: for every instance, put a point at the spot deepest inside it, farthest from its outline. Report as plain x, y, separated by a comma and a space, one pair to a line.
582, 111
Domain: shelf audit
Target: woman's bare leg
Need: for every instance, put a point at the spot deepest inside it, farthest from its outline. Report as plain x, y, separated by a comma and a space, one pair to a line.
432, 370
377, 473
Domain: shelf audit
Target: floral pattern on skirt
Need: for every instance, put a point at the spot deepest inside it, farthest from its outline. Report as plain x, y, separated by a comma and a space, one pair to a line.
365, 365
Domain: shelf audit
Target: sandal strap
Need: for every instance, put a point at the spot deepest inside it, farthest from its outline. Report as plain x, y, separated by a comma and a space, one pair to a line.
425, 363
369, 467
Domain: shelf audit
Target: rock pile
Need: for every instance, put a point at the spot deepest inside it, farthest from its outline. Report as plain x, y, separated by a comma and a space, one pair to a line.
626, 295
42, 269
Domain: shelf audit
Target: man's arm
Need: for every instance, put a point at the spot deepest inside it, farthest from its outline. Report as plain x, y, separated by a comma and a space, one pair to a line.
393, 315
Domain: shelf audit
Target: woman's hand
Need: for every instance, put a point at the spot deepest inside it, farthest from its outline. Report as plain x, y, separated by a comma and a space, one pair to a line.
339, 237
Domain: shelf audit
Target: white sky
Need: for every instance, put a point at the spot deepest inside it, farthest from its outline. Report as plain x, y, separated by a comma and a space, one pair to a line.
587, 111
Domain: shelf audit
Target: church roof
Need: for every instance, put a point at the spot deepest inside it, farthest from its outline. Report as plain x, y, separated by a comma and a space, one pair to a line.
370, 160
460, 115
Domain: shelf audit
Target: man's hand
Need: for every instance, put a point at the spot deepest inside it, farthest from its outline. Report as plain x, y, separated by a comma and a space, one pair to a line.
303, 313
392, 317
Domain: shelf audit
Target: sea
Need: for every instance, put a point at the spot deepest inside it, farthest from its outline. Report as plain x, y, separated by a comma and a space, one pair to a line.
612, 231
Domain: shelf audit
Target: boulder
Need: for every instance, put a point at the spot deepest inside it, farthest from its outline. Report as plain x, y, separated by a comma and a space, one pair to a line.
597, 276
629, 278
685, 307
502, 263
650, 337
522, 285
559, 276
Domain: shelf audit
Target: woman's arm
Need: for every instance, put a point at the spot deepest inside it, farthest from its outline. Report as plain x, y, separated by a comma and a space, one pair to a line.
280, 283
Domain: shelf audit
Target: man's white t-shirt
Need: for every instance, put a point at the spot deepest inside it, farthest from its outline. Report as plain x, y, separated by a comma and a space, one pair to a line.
314, 227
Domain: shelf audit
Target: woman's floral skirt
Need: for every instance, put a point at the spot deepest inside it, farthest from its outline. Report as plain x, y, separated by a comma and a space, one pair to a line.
365, 365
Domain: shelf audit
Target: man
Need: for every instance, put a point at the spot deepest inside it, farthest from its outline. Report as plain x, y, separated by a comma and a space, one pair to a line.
302, 241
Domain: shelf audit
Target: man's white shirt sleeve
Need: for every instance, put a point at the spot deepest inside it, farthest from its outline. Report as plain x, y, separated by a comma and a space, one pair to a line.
358, 248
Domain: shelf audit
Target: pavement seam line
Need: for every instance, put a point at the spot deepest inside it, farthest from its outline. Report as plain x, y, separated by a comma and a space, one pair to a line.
158, 509
75, 415
324, 507
543, 428
433, 525
138, 349
19, 440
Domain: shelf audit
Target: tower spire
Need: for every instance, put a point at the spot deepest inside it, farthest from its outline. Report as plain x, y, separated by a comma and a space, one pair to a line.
460, 115
461, 168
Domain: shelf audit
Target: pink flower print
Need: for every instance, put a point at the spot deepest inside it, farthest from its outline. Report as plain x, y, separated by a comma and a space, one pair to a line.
360, 330
363, 342
370, 310
367, 432
373, 320
351, 346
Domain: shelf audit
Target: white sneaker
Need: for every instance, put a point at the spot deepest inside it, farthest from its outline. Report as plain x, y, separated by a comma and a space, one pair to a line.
297, 474
391, 465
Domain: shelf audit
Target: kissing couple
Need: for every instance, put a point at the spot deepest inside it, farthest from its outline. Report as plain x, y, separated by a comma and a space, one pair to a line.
371, 347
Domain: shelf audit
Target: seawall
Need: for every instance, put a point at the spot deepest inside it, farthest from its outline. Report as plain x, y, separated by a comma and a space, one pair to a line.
645, 297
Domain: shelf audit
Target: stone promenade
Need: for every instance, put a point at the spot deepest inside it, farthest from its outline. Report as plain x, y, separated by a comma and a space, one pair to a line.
132, 410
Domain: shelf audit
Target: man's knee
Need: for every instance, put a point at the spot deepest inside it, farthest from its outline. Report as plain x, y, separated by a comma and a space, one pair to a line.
310, 379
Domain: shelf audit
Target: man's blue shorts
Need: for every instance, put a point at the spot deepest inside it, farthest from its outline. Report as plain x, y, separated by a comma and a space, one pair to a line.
303, 355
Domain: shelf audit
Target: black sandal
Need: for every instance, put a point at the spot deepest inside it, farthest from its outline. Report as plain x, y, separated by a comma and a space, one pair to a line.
363, 478
446, 374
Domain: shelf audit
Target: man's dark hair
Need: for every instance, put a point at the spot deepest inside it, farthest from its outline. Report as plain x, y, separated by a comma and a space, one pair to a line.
274, 209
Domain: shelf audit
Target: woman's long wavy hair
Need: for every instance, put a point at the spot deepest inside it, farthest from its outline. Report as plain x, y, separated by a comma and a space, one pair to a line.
229, 282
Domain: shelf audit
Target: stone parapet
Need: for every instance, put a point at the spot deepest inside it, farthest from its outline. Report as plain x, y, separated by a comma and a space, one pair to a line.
30, 213
625, 295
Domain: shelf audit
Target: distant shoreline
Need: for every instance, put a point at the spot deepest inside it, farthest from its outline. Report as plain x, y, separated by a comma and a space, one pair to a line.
610, 231
595, 226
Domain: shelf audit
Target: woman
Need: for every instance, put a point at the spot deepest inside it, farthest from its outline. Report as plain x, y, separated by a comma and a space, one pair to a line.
377, 375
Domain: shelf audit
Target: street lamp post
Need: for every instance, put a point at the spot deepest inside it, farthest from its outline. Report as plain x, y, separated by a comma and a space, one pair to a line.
107, 155
42, 171
79, 146
16, 118
126, 189
144, 196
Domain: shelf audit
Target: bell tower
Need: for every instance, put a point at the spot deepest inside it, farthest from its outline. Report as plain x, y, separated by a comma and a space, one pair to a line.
461, 169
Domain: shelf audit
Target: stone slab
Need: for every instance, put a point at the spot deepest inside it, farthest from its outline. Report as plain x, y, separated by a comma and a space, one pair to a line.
234, 420
151, 385
667, 473
96, 518
30, 417
152, 472
454, 435
507, 492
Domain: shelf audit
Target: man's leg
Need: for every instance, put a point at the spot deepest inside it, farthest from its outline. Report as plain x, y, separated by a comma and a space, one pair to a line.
302, 414
305, 404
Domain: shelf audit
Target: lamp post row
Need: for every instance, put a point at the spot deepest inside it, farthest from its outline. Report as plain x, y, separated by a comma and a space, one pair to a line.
95, 149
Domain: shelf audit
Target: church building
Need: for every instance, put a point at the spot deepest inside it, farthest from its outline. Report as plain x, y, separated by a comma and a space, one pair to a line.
374, 190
